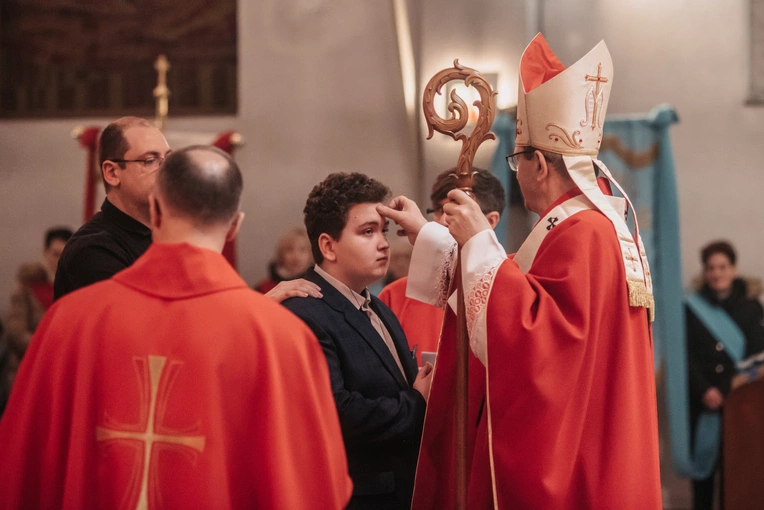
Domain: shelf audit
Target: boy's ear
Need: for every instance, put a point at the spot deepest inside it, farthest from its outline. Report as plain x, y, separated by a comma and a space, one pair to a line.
327, 246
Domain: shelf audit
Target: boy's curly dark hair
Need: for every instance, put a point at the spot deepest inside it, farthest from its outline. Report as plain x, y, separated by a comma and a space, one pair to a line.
326, 211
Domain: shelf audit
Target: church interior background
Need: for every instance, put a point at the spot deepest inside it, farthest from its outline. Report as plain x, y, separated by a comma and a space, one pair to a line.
320, 86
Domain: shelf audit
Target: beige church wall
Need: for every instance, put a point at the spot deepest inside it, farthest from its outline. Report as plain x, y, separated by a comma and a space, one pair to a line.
693, 55
319, 93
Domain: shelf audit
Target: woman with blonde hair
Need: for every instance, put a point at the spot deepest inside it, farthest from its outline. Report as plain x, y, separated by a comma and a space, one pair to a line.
293, 259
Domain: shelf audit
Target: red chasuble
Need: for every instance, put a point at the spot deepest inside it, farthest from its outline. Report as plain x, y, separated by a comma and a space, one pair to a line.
421, 322
172, 385
570, 418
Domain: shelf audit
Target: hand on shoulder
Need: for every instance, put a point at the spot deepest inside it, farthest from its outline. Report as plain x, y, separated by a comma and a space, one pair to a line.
294, 288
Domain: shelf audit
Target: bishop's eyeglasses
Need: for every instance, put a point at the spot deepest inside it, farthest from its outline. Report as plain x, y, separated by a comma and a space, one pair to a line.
512, 158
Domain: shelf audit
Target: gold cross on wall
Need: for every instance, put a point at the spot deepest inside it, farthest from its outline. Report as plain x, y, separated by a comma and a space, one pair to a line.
149, 436
599, 79
161, 92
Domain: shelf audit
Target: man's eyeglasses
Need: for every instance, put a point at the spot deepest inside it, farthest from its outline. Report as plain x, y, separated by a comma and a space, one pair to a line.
512, 158
438, 212
150, 163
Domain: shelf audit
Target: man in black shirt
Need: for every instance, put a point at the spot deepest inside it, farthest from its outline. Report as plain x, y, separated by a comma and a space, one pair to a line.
130, 152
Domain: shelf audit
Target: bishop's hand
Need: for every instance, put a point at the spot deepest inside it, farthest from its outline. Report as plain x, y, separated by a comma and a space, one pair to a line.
406, 214
464, 217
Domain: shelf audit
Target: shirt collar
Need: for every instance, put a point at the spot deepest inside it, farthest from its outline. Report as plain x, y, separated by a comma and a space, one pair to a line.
124, 220
360, 301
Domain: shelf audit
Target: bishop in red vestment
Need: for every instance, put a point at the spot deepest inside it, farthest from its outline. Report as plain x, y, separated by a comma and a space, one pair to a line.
173, 385
562, 389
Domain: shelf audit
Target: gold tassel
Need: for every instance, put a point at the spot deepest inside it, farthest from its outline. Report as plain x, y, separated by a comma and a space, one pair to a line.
639, 296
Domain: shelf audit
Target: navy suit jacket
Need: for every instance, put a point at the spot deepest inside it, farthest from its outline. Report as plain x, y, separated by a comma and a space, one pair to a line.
381, 415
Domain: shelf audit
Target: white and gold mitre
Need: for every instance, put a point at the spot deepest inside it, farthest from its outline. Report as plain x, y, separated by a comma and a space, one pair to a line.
563, 110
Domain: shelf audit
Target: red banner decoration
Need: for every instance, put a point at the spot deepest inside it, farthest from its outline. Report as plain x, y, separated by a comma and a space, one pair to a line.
89, 140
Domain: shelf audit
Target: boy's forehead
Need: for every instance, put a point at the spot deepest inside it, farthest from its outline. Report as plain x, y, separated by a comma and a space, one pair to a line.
364, 213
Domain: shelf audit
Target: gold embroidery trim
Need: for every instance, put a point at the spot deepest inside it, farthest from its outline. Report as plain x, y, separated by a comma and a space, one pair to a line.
568, 139
640, 296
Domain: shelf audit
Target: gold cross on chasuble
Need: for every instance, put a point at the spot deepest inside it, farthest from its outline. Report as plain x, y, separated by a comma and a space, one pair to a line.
150, 430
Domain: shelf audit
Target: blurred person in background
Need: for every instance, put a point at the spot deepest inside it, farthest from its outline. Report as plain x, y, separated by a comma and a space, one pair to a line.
725, 297
32, 295
293, 258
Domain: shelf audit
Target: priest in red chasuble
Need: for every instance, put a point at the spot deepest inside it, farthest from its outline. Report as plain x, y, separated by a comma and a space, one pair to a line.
562, 392
173, 385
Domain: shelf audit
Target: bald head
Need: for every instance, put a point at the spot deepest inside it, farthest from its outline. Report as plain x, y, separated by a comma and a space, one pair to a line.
112, 143
201, 183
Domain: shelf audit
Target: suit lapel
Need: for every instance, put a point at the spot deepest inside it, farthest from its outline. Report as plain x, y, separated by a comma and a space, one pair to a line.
361, 323
399, 338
